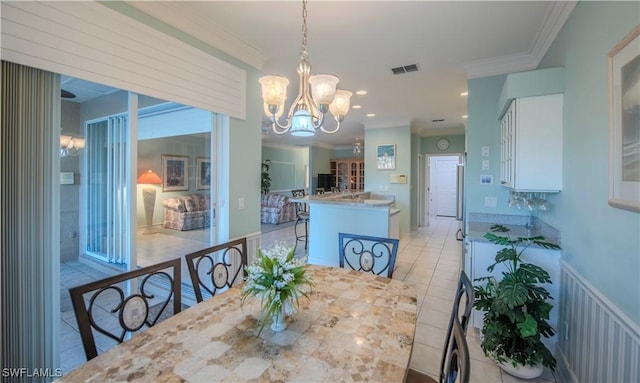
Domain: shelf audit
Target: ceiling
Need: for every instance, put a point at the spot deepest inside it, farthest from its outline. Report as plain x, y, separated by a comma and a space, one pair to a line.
361, 41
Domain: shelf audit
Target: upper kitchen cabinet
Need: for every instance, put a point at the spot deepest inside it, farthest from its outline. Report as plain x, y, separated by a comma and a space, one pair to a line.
531, 131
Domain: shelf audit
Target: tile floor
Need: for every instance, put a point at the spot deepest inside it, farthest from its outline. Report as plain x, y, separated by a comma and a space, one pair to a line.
429, 259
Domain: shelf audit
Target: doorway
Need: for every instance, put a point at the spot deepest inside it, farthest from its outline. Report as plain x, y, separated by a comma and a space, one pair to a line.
442, 186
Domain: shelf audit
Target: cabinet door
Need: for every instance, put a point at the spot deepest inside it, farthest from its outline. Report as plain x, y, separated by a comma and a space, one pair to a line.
507, 146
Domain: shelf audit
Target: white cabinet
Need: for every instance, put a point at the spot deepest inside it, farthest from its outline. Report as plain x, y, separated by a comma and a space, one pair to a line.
531, 144
483, 254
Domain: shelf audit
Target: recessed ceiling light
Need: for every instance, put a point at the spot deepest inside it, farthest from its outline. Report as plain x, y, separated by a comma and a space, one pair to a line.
361, 92
464, 116
356, 107
464, 93
371, 115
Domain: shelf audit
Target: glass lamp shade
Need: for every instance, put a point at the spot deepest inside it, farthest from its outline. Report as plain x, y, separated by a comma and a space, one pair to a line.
323, 88
149, 177
301, 124
341, 103
78, 143
274, 90
64, 141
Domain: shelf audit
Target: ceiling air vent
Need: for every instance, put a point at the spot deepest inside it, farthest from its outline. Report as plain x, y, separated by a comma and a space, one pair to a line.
405, 69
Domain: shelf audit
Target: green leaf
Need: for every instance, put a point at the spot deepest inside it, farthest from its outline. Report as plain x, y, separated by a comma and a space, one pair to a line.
529, 327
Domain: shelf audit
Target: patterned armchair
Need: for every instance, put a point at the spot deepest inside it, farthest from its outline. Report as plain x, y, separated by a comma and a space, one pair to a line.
276, 208
187, 212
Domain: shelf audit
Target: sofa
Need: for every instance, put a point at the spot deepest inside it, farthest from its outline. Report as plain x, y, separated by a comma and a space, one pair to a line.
276, 208
187, 212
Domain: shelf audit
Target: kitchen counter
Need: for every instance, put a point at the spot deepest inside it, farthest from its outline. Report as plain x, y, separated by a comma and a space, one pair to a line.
480, 224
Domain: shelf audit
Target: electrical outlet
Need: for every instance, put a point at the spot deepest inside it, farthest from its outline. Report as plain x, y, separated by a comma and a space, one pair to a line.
490, 201
241, 203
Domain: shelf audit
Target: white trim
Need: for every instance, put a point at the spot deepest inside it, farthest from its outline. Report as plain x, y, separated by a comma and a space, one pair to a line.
606, 302
557, 14
79, 39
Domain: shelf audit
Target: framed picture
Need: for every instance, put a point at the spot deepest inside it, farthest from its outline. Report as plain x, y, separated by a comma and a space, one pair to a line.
386, 156
486, 179
175, 171
624, 123
203, 173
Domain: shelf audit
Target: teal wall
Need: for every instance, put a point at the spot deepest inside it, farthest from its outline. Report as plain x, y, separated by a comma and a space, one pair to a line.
483, 129
428, 144
347, 153
378, 180
319, 163
288, 167
601, 242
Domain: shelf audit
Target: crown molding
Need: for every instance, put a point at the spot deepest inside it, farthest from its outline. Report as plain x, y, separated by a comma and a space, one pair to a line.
557, 14
200, 28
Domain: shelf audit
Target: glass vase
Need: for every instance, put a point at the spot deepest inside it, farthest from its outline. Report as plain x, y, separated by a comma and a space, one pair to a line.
279, 322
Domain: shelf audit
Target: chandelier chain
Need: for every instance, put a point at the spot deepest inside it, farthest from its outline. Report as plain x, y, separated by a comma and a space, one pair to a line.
303, 54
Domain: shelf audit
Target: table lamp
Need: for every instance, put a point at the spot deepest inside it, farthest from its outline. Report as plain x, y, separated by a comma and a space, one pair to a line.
149, 178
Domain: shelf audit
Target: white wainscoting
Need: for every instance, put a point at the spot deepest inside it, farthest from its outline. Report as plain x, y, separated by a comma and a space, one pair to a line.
598, 343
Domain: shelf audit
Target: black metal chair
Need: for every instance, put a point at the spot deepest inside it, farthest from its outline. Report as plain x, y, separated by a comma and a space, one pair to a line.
157, 288
302, 217
454, 363
370, 254
217, 268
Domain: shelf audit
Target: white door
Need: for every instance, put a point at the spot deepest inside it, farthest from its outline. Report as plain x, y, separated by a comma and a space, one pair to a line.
444, 186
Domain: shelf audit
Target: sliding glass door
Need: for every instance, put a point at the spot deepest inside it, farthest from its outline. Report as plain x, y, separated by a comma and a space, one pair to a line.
106, 203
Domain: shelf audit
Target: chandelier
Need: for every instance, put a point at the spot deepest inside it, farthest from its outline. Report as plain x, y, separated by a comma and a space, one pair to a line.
307, 113
357, 147
70, 146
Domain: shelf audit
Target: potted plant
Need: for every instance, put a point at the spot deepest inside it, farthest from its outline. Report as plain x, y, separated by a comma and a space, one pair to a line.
265, 184
516, 307
277, 278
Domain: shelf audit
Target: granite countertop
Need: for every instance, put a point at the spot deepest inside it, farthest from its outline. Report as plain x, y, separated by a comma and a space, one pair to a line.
355, 327
480, 224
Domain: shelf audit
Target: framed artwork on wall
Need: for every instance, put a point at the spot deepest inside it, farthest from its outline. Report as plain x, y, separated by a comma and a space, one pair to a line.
624, 123
175, 171
203, 173
386, 155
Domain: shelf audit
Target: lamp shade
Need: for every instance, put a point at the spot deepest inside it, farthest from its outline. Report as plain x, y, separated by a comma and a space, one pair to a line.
323, 88
340, 105
274, 89
149, 177
301, 124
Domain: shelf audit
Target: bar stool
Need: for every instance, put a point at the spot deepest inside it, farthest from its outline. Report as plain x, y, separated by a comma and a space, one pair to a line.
302, 217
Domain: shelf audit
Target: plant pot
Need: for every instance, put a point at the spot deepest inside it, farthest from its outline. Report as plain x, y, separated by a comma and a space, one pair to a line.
520, 371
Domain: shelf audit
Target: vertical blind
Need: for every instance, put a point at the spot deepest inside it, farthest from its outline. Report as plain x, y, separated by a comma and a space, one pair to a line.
29, 218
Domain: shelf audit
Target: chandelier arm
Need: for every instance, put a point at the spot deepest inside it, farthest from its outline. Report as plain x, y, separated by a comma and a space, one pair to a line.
331, 131
275, 124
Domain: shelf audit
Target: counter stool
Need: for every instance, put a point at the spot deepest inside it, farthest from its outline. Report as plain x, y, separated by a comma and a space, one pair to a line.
302, 217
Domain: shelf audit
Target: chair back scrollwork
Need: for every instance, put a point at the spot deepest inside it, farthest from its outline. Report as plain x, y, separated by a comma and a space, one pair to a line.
132, 307
217, 268
375, 255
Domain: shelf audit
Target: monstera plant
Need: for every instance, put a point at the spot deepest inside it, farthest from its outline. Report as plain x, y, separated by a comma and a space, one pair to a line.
517, 307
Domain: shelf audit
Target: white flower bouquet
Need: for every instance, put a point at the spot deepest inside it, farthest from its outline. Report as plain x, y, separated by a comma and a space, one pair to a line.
275, 277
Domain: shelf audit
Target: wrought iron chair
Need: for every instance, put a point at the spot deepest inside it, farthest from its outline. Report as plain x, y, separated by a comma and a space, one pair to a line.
454, 363
217, 268
157, 288
370, 254
302, 215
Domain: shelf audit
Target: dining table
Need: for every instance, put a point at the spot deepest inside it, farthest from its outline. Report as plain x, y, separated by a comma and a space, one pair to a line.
353, 327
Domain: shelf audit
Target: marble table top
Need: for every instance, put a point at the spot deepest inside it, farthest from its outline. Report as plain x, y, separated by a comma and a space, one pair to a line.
355, 327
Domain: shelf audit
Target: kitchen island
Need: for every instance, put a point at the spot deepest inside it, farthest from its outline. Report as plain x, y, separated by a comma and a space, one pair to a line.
355, 213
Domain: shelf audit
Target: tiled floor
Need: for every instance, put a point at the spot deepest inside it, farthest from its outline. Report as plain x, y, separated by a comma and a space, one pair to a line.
429, 259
